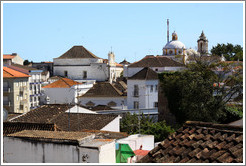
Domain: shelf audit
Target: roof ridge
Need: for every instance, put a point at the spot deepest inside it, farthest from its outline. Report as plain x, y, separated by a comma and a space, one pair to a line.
117, 90
65, 82
213, 125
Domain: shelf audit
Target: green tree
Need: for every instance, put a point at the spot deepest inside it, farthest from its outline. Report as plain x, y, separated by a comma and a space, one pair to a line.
191, 93
229, 51
26, 62
134, 124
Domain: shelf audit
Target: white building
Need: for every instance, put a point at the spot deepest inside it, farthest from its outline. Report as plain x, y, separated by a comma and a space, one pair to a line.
146, 142
64, 91
103, 93
80, 64
12, 58
142, 89
37, 146
157, 63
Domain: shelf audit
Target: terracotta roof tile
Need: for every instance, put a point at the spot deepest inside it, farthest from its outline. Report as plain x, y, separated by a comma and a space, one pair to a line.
145, 74
200, 143
56, 113
11, 73
73, 137
62, 83
77, 52
13, 127
8, 56
103, 89
106, 134
156, 61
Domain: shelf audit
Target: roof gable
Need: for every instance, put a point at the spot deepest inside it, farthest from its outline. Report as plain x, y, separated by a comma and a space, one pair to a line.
62, 83
103, 89
156, 61
77, 52
11, 73
200, 142
145, 74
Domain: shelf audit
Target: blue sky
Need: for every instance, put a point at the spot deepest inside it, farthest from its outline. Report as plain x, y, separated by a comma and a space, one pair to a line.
43, 31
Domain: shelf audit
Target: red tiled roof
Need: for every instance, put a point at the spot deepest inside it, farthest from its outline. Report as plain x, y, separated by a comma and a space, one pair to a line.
62, 83
8, 56
11, 73
200, 142
119, 65
141, 152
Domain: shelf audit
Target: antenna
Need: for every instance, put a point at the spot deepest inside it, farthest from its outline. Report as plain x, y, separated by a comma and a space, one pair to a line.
167, 30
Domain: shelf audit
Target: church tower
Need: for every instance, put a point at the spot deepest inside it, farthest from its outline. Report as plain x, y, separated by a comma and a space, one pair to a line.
202, 44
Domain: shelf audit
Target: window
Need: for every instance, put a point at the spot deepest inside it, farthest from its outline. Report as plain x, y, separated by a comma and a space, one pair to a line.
156, 69
155, 104
170, 52
136, 91
84, 74
21, 107
136, 105
65, 73
156, 88
151, 88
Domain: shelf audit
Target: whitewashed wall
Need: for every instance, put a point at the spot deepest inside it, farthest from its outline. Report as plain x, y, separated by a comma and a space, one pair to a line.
65, 95
104, 100
145, 98
107, 153
136, 140
113, 126
17, 150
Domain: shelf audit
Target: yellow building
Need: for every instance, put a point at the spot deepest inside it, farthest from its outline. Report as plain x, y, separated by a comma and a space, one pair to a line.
15, 91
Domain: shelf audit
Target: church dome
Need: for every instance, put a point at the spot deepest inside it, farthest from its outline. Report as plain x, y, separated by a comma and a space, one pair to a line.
174, 44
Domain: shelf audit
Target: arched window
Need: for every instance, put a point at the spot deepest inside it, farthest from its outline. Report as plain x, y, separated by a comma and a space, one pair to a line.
170, 52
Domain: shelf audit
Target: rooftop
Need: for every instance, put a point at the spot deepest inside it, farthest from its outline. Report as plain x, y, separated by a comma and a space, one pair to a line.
62, 83
156, 61
56, 114
145, 74
23, 67
13, 127
8, 56
52, 136
103, 89
100, 134
200, 142
77, 52
11, 73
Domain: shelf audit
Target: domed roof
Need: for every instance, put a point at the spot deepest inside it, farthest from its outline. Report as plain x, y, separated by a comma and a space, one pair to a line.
174, 44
